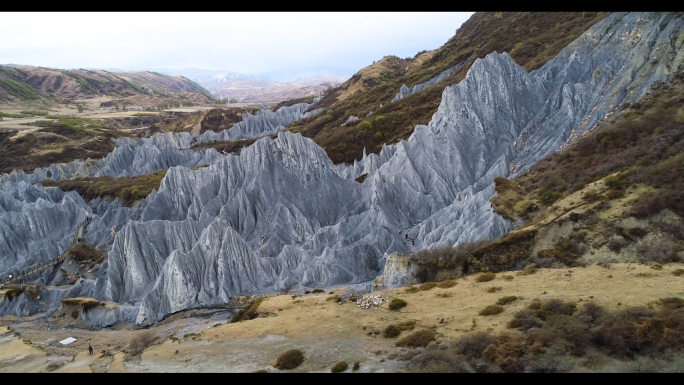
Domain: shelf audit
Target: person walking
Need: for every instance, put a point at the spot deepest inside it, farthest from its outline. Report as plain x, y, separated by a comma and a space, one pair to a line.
90, 348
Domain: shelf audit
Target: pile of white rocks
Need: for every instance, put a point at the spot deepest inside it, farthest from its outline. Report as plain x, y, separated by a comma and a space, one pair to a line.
369, 300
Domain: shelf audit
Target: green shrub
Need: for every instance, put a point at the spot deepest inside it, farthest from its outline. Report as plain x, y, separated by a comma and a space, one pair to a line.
506, 300
290, 359
420, 338
377, 135
394, 330
491, 310
547, 197
317, 291
364, 125
380, 118
485, 277
339, 367
397, 303
411, 289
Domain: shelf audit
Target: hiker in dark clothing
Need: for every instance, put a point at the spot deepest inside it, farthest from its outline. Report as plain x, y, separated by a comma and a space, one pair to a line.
413, 242
90, 348
405, 236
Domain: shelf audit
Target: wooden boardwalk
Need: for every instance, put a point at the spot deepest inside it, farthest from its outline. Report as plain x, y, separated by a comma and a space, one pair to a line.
35, 269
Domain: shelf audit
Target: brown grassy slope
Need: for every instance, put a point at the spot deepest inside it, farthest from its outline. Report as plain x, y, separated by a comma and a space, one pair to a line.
216, 119
128, 189
645, 144
532, 38
57, 142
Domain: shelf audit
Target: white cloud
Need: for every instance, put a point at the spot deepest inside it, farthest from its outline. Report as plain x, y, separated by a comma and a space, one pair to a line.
240, 42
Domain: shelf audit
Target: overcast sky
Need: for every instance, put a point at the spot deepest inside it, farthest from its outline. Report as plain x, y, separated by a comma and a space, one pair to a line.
239, 42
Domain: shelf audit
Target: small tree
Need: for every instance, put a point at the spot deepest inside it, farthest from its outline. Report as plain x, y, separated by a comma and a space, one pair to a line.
116, 107
80, 108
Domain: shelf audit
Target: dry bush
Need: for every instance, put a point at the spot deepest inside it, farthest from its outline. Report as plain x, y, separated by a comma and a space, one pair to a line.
507, 277
660, 251
524, 320
672, 303
527, 271
411, 289
140, 342
485, 277
394, 330
444, 295
494, 289
447, 284
448, 257
339, 367
32, 292
436, 360
491, 310
472, 346
678, 272
248, 312
555, 306
428, 286
420, 338
506, 353
289, 360
641, 331
356, 366
591, 313
13, 291
82, 252
85, 303
506, 300
397, 303
334, 298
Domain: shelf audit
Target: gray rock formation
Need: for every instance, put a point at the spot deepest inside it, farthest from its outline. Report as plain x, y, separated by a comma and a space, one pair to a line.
406, 91
281, 213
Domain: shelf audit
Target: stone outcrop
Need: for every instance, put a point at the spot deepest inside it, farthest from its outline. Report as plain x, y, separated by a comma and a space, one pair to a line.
405, 91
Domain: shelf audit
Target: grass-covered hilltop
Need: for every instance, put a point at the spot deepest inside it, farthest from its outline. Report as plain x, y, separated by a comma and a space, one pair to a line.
509, 202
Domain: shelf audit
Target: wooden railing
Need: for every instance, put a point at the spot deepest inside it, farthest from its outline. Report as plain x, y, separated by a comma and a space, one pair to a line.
35, 269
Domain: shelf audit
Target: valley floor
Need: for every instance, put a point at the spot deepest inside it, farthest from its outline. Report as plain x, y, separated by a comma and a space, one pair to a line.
326, 332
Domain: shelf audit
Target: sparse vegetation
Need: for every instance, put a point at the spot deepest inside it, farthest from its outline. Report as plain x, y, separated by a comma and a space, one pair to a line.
420, 338
290, 359
494, 289
356, 366
82, 252
140, 342
394, 330
427, 286
249, 312
339, 367
128, 189
491, 310
334, 298
485, 277
447, 284
84, 303
506, 300
397, 303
